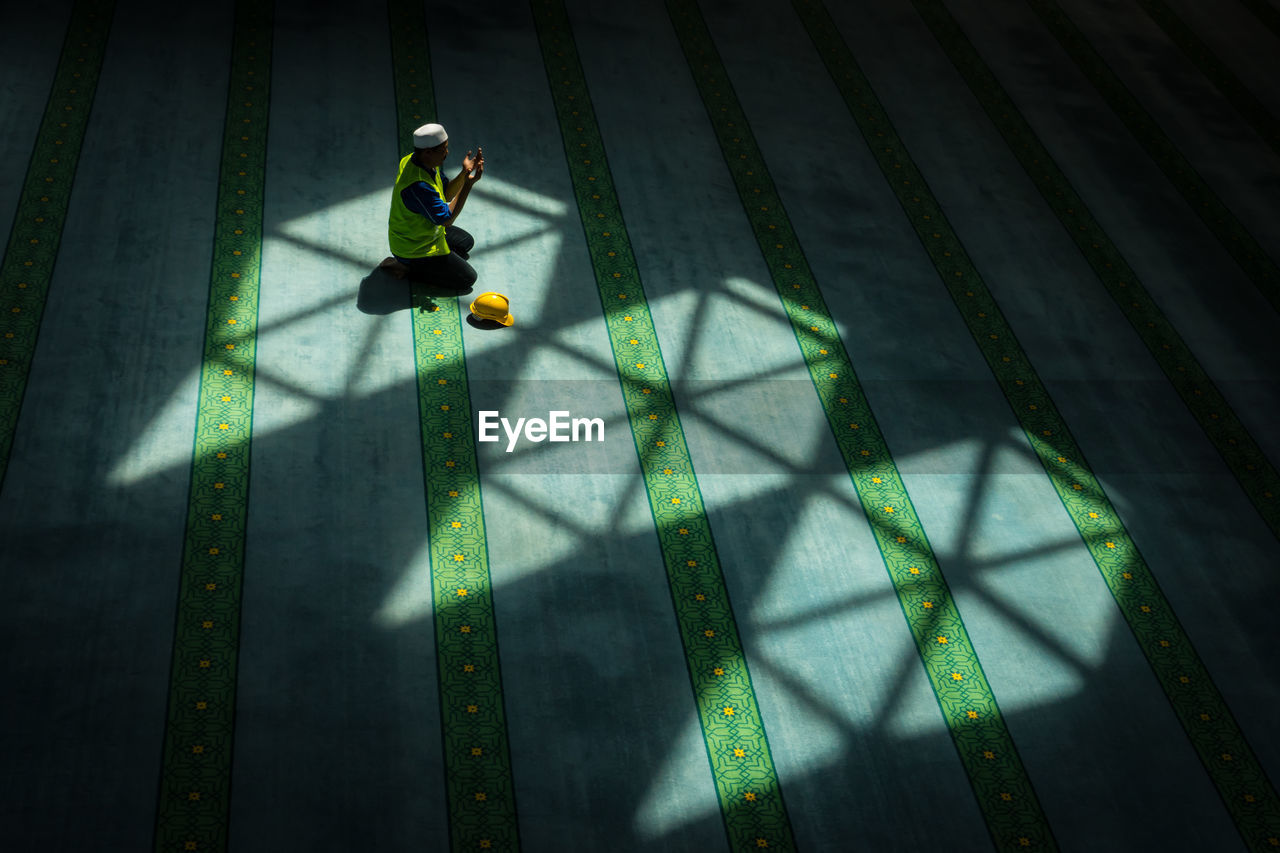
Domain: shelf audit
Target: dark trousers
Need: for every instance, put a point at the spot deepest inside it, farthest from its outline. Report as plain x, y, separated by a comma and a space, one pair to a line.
451, 270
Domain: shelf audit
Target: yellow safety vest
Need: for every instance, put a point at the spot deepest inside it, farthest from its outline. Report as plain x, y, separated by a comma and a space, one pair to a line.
413, 235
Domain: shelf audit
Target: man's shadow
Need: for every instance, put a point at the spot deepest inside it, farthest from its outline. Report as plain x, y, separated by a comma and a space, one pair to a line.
381, 292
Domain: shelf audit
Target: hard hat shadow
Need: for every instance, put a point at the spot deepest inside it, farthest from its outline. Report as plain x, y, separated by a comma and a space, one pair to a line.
479, 323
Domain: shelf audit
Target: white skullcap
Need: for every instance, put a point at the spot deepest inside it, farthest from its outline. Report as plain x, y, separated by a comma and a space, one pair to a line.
429, 136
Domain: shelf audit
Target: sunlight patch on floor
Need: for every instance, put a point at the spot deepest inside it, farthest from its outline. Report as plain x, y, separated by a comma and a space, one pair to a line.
410, 598
680, 790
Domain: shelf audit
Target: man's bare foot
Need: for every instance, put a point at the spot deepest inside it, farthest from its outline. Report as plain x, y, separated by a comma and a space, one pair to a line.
394, 267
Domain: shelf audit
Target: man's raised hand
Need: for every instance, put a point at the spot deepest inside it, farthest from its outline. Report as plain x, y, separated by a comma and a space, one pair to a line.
476, 168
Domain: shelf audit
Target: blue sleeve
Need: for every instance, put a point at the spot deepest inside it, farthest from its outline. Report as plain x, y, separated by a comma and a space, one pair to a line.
422, 198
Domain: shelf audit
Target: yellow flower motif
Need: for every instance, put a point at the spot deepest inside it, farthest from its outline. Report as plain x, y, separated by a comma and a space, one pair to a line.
213, 552
462, 592
1111, 544
683, 531
700, 597
458, 558
708, 633
660, 443
1023, 841
208, 623
988, 754
955, 676
201, 706
206, 663
942, 641
211, 586
628, 318
439, 357
450, 463
728, 712
667, 471
739, 752
876, 480
464, 629
453, 493
190, 845
1076, 486
472, 709
448, 435
224, 426
928, 605
445, 407
1006, 796
653, 417
1164, 644
640, 364
1093, 515
634, 342
436, 332
973, 715
764, 842
481, 796
1205, 717
469, 667
1184, 679
1127, 575
226, 373
888, 509
902, 540
691, 563
485, 843
475, 750
675, 501
1145, 608
718, 671
455, 524
914, 570
749, 796
197, 750
854, 426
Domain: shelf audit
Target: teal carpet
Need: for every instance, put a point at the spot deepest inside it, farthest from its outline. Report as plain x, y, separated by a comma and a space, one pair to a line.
935, 345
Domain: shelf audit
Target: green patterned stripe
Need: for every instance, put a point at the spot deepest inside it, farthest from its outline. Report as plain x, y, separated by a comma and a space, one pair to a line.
1265, 12
29, 258
195, 783
1249, 107
985, 747
1255, 473
751, 801
1235, 238
1196, 701
478, 781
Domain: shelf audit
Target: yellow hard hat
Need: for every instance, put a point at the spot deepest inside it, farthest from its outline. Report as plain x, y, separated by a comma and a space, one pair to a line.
493, 306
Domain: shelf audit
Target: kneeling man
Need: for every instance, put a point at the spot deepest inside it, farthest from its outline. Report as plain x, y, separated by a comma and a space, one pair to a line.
425, 244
